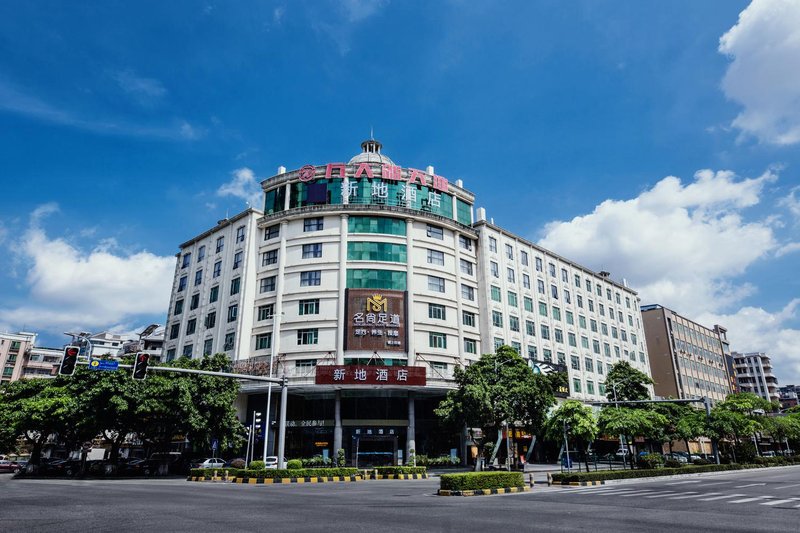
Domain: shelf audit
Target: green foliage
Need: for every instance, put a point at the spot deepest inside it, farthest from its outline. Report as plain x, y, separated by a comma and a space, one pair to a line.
238, 464
341, 460
651, 461
745, 403
603, 475
630, 422
303, 472
690, 425
481, 480
294, 464
444, 460
257, 465
672, 463
386, 470
316, 461
631, 384
581, 419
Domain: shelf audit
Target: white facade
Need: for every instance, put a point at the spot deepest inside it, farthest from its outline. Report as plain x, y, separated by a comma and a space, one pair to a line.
754, 374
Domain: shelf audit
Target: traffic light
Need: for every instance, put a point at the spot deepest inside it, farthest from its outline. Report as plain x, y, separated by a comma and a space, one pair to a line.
140, 365
69, 360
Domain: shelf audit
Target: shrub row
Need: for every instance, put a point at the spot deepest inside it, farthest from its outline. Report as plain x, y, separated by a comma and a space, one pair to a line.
444, 460
386, 470
481, 480
602, 475
207, 473
298, 472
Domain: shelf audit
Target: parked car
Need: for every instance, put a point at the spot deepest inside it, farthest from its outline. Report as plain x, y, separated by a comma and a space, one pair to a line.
271, 462
59, 467
211, 462
135, 467
677, 457
7, 466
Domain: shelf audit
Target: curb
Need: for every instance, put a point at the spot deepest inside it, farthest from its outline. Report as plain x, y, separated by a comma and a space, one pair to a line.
202, 479
399, 476
580, 483
482, 492
287, 480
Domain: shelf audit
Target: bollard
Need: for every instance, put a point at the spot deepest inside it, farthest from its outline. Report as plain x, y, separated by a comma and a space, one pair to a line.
549, 479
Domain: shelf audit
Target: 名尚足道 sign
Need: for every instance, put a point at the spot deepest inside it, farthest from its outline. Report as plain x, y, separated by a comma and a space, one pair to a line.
375, 320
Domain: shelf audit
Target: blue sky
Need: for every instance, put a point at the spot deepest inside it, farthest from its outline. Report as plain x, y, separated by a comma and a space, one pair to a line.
655, 140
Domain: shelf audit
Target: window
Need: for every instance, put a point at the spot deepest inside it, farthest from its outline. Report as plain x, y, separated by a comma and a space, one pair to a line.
182, 283
603, 311
435, 257
435, 284
211, 320
467, 292
496, 294
174, 331
510, 252
384, 225
312, 250
240, 234
171, 354
564, 275
235, 285
376, 251
510, 275
588, 364
263, 341
575, 362
558, 335
213, 294
436, 311
584, 342
272, 232
582, 321
516, 346
269, 257
370, 278
187, 350
554, 292
178, 307
542, 308
570, 318
599, 365
229, 340
538, 264
589, 387
307, 336
617, 298
532, 352
233, 312
266, 284
556, 313
466, 267
468, 318
470, 346
567, 296
220, 244
201, 253
310, 278
208, 346
492, 244
191, 326
237, 260
265, 312
217, 269
435, 232
465, 243
530, 328
313, 224
512, 299
576, 385
545, 332
513, 323
596, 346
308, 307
547, 355
495, 269
198, 277
194, 303
497, 319
540, 286
601, 389
187, 259
579, 301
608, 295
577, 280
437, 340
562, 358
604, 328
523, 257
528, 303
627, 302
526, 281
572, 340
498, 342
593, 325
551, 268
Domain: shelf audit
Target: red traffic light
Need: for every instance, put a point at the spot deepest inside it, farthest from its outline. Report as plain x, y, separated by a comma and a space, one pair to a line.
69, 361
140, 365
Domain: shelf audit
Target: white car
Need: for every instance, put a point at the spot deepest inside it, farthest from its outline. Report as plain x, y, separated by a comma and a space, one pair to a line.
212, 462
271, 462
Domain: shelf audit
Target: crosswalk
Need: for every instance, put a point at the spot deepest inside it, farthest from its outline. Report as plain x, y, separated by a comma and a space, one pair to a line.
676, 492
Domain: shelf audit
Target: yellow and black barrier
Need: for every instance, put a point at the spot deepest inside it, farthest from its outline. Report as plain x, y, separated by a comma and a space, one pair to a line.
482, 492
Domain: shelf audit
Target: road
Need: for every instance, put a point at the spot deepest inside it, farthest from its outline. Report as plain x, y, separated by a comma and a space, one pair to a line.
755, 500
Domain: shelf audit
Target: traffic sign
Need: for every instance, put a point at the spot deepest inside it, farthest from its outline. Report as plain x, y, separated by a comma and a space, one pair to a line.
214, 444
104, 364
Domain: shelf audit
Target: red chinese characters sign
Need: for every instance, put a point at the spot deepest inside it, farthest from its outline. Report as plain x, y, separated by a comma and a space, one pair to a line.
370, 375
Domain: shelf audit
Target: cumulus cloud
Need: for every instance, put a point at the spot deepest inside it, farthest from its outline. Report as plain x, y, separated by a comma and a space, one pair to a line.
244, 185
96, 289
753, 329
791, 202
765, 49
679, 245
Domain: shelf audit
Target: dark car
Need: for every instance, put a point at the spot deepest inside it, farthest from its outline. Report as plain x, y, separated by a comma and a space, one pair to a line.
136, 467
59, 467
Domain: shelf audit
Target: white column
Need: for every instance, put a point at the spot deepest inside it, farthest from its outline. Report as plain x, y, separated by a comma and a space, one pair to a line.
459, 307
410, 332
288, 193
340, 324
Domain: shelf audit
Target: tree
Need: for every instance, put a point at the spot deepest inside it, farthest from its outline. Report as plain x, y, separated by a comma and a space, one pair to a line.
782, 428
581, 422
498, 389
726, 424
630, 423
691, 425
673, 412
630, 384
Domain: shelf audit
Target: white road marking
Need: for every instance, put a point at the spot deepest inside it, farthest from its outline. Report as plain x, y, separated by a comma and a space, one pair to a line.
747, 500
778, 502
718, 483
749, 485
690, 495
634, 494
721, 497
660, 494
684, 482
781, 487
609, 491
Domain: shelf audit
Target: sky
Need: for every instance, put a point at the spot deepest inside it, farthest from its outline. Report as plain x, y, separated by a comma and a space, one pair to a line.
657, 140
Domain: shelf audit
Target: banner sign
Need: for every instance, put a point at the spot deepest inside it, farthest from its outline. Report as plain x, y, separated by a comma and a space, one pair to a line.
375, 320
560, 381
370, 375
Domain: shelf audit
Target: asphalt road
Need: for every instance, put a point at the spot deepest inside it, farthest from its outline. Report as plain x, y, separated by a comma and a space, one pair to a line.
760, 500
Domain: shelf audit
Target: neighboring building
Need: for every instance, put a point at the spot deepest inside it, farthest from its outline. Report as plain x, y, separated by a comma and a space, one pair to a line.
366, 284
687, 359
787, 395
105, 343
13, 349
151, 341
754, 374
42, 362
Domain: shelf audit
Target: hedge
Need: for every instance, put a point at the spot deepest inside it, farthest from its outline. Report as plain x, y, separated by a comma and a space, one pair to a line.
602, 475
207, 473
388, 470
300, 472
481, 480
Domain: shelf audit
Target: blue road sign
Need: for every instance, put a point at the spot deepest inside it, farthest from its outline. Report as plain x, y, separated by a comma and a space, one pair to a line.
214, 444
103, 364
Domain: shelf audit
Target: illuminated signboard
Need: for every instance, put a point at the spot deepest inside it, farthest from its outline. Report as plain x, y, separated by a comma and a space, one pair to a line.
370, 375
375, 320
558, 374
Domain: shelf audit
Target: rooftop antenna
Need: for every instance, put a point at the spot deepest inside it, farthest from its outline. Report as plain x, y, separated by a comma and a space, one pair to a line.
371, 135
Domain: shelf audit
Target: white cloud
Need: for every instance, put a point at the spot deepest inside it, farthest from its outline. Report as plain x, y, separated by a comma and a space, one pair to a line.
765, 48
244, 185
347, 15
679, 245
71, 288
791, 202
357, 10
145, 91
788, 249
753, 329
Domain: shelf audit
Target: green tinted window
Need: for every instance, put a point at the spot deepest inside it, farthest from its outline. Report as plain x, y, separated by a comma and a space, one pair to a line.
366, 278
376, 251
496, 294
463, 212
385, 225
274, 200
